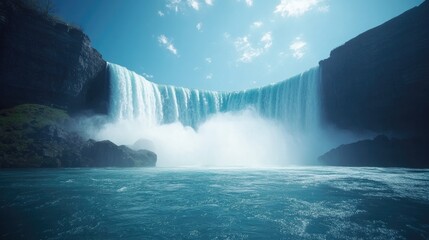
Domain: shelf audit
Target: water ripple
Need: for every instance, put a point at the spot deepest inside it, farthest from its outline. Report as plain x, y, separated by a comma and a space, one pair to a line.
284, 203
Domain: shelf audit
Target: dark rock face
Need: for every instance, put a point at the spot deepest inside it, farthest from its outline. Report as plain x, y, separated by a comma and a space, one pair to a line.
379, 81
142, 157
381, 152
46, 61
57, 147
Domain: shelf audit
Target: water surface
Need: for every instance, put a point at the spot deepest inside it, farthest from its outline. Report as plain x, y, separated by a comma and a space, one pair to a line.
187, 203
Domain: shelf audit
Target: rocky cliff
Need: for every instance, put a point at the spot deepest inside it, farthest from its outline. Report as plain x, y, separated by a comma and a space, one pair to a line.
380, 152
379, 81
46, 61
34, 135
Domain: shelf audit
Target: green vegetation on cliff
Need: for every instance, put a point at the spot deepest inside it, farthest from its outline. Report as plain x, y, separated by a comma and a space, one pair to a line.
31, 115
20, 128
33, 135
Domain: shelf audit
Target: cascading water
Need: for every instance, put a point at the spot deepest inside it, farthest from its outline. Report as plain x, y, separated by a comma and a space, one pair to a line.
294, 102
272, 125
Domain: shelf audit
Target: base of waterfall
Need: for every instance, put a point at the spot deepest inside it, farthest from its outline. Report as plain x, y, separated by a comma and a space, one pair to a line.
232, 139
274, 125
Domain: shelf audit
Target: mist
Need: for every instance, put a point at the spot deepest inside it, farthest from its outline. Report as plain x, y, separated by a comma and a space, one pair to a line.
233, 139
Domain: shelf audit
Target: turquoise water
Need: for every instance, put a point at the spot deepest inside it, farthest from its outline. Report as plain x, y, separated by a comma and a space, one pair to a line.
288, 203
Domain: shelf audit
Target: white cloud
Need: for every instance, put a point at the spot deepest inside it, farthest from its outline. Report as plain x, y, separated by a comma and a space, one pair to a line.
208, 60
257, 24
226, 35
323, 9
199, 26
249, 3
298, 48
179, 5
295, 8
209, 2
209, 76
248, 51
172, 49
194, 4
161, 14
163, 40
174, 5
267, 40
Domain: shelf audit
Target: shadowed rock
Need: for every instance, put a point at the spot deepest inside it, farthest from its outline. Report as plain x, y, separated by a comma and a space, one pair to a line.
107, 154
379, 80
380, 152
34, 136
46, 61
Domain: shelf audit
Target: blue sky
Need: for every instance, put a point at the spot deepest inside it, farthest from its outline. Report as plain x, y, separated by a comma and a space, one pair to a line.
223, 44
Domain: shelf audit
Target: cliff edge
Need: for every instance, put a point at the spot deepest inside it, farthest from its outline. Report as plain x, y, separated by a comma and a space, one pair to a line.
46, 61
379, 80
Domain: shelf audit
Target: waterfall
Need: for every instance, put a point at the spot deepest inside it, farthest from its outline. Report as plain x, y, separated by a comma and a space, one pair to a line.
293, 102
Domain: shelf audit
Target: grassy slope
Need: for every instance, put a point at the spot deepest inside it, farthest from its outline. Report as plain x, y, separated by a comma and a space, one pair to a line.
33, 135
18, 127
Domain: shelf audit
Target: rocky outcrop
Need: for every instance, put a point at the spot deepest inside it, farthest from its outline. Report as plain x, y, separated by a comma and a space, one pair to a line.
35, 136
46, 61
380, 152
107, 154
379, 80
